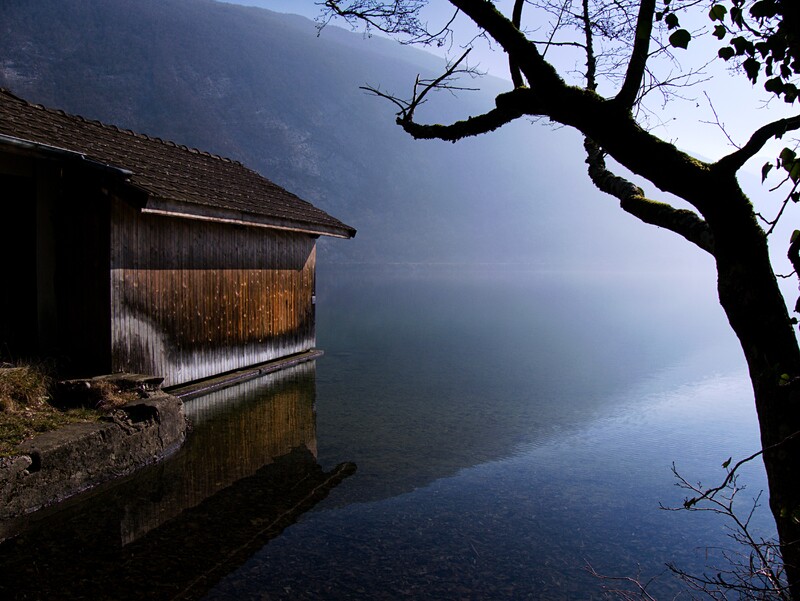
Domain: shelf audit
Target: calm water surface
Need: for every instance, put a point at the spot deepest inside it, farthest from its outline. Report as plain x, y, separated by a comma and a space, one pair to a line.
468, 435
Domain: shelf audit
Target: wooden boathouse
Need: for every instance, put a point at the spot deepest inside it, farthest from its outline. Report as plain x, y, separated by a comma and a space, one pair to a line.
127, 253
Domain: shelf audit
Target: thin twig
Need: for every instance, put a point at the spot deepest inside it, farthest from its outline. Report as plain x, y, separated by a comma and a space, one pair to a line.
709, 494
718, 123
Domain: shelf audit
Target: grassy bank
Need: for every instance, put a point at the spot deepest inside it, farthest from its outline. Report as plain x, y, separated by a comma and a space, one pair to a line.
27, 407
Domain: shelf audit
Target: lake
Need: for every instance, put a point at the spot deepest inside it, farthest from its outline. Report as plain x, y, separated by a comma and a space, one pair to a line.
470, 433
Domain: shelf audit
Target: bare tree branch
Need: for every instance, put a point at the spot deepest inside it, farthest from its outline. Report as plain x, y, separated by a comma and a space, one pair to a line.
439, 82
402, 105
513, 66
556, 26
399, 16
443, 82
756, 570
440, 36
760, 137
711, 492
774, 222
591, 61
632, 200
507, 110
639, 55
718, 123
561, 44
640, 591
512, 40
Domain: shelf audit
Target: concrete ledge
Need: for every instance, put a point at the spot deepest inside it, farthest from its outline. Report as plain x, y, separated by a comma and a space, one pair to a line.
59, 464
202, 387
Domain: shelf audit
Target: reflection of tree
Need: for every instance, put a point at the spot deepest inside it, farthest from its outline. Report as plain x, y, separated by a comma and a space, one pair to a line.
629, 49
172, 532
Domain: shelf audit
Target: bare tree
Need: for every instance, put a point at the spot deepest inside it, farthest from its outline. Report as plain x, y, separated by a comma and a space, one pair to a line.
623, 44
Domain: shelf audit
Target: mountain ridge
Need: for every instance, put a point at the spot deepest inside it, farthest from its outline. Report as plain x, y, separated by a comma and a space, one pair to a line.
264, 89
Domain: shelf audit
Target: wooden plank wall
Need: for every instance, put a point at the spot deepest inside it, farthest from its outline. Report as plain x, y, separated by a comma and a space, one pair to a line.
192, 299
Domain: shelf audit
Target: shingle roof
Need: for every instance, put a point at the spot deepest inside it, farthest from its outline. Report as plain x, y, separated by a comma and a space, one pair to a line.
172, 175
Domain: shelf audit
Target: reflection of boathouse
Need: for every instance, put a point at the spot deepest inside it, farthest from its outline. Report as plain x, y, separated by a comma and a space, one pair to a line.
175, 529
139, 255
235, 433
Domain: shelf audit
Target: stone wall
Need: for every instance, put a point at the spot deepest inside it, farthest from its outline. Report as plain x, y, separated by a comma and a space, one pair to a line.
59, 464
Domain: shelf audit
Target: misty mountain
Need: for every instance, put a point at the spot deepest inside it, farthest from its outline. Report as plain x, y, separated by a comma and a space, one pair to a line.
265, 89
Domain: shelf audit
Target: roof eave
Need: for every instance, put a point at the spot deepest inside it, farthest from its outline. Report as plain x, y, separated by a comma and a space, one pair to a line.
185, 210
38, 150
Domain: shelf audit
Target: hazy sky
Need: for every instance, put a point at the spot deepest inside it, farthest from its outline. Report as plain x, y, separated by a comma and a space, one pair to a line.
738, 105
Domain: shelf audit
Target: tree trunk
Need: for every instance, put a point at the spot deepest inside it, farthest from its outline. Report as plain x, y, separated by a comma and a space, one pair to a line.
756, 310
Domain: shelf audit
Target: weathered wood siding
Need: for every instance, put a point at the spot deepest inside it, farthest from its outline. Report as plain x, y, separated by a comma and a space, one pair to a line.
192, 299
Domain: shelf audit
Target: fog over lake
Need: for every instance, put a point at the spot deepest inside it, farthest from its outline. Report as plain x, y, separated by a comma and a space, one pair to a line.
509, 428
